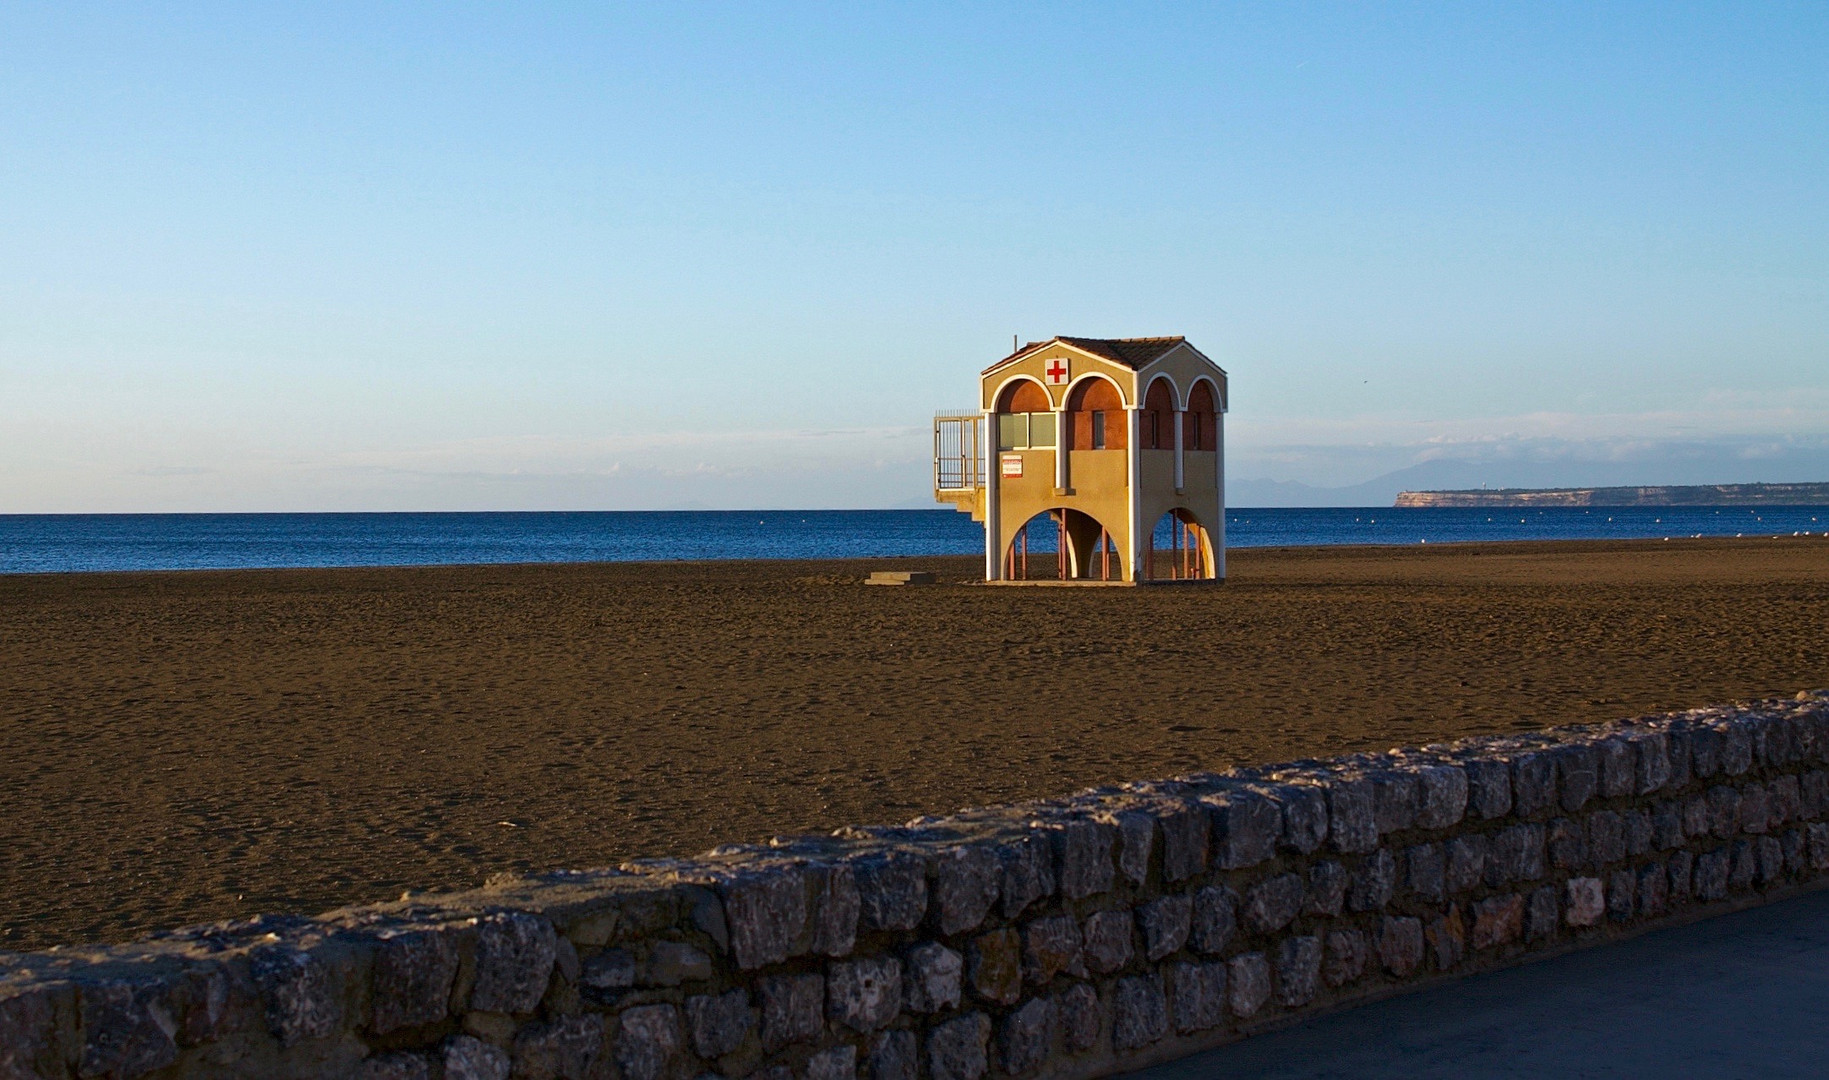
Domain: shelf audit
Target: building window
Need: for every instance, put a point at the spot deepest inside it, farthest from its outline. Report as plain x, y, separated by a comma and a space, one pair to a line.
1155, 431
1025, 431
1098, 430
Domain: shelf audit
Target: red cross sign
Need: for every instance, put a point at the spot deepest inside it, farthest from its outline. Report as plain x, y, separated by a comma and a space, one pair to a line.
1057, 372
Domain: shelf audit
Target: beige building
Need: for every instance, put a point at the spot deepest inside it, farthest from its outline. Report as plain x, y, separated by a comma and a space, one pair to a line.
1113, 448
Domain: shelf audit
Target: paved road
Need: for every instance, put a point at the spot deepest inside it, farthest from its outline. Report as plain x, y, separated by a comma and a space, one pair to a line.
1742, 995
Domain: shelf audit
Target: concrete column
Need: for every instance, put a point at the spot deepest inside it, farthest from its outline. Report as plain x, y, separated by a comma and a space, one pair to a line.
1134, 460
1219, 469
1179, 460
993, 550
1060, 449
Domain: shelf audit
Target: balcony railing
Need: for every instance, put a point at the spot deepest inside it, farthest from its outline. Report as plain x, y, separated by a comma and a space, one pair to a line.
958, 451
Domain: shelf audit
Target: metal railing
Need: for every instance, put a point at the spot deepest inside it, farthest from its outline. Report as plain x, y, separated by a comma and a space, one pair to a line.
958, 452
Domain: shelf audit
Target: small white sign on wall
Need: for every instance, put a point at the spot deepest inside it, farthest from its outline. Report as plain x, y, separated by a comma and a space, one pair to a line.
1012, 465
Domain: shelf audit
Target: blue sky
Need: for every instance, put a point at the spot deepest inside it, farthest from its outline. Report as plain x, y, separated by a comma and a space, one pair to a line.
524, 257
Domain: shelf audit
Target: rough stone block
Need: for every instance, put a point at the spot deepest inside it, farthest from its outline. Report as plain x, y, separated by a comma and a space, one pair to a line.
1488, 787
1394, 798
1651, 761
1712, 874
671, 963
719, 1023
892, 1056
836, 907
1797, 853
1441, 798
1245, 828
1698, 816
932, 978
1215, 919
1577, 774
1606, 838
565, 1048
1028, 872
1466, 862
1247, 984
1326, 893
766, 912
1705, 745
1272, 904
994, 966
1566, 844
836, 1063
793, 1009
1680, 868
1770, 860
1678, 743
1140, 1012
1371, 885
1081, 1017
891, 891
1136, 840
965, 887
648, 1040
1737, 749
1622, 894
1813, 798
469, 1058
1515, 854
1400, 944
1497, 920
397, 1066
1755, 809
1542, 913
1533, 783
1186, 836
1345, 957
1744, 868
1425, 873
1817, 837
956, 1049
1025, 1034
1298, 970
515, 953
1304, 811
1618, 766
1587, 902
128, 1030
1638, 831
864, 994
611, 969
1787, 801
412, 979
1165, 923
1197, 995
1107, 941
1052, 946
1352, 827
1653, 890
1446, 935
300, 993
1083, 854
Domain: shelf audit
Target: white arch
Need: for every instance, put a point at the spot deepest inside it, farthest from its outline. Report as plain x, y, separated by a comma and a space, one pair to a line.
1005, 385
1219, 395
1074, 384
1174, 391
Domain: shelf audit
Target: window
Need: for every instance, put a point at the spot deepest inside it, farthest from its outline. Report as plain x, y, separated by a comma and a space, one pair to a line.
1098, 430
1025, 431
1155, 431
1193, 439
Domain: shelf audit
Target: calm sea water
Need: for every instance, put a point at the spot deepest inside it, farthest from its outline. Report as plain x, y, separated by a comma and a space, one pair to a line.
76, 542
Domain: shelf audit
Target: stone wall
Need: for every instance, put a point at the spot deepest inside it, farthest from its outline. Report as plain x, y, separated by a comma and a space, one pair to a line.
1068, 938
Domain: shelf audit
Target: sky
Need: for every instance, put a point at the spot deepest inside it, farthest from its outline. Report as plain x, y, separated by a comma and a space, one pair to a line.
279, 257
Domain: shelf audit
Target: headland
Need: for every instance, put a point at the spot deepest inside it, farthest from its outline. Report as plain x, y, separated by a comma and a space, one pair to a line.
1687, 495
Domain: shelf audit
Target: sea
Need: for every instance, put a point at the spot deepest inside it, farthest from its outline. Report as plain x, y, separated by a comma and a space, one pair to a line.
74, 543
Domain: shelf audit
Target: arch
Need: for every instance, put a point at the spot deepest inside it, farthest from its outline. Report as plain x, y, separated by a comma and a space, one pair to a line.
1083, 548
1095, 415
1022, 393
1157, 424
1178, 548
1199, 425
1213, 387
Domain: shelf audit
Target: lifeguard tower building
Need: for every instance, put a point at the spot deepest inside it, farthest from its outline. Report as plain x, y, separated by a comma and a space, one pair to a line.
1115, 447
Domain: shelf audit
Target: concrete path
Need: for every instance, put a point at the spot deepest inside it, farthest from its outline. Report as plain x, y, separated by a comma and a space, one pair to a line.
1742, 995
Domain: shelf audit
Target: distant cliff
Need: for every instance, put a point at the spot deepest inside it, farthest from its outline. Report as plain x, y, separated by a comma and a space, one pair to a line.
1697, 495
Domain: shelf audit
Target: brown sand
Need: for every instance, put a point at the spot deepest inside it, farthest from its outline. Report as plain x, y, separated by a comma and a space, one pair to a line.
184, 747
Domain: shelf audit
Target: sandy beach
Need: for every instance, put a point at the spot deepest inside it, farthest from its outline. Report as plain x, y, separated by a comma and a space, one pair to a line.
185, 747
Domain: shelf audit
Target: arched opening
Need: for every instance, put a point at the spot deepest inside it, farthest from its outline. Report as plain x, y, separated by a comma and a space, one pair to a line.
1025, 417
1095, 417
1179, 549
1200, 427
1062, 545
1158, 419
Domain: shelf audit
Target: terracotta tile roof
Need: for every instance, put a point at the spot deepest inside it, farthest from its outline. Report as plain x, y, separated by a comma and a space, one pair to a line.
1134, 352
